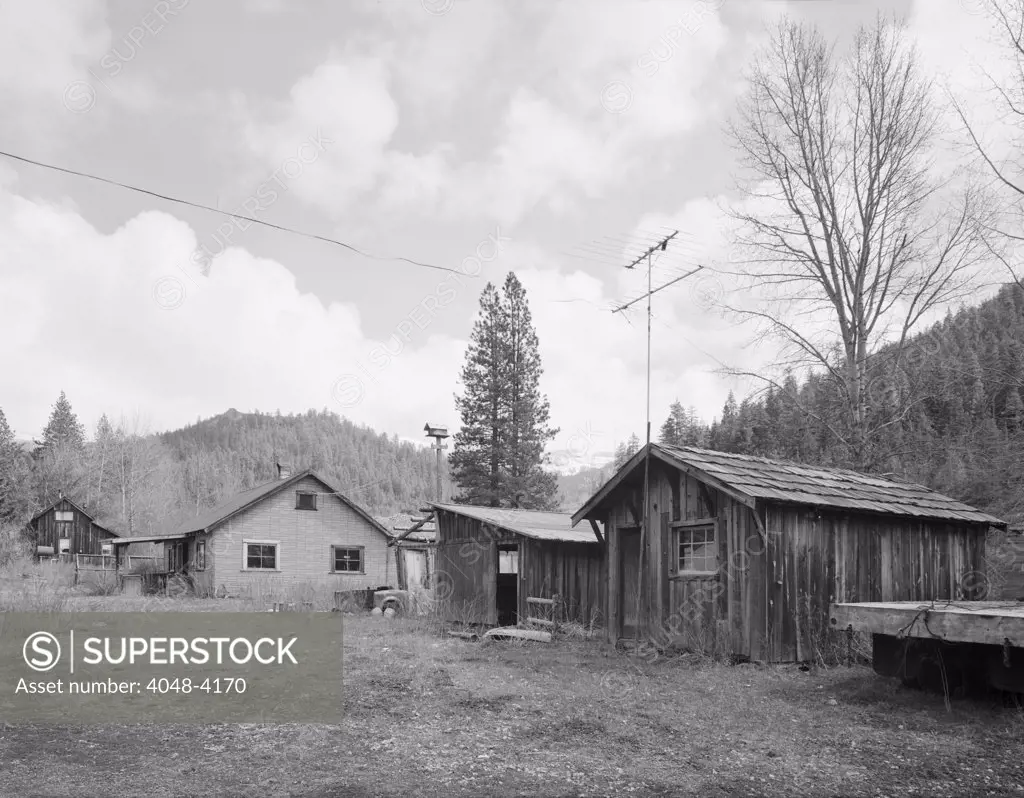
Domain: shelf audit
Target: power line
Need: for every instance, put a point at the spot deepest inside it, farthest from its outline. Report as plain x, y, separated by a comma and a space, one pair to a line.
232, 215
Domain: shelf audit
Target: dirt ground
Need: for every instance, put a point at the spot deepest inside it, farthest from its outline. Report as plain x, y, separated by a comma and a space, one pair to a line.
433, 716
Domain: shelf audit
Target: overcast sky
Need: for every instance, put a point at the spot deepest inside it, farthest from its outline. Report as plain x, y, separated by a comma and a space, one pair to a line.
479, 136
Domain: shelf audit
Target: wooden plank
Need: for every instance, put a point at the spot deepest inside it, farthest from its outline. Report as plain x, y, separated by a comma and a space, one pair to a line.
533, 600
695, 522
992, 625
709, 503
597, 531
664, 567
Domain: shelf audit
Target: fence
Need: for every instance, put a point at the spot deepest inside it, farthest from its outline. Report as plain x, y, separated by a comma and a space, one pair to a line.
547, 609
96, 568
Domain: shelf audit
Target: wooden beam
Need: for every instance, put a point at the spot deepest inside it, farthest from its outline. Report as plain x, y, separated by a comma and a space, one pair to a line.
706, 495
415, 527
597, 531
755, 511
992, 623
694, 522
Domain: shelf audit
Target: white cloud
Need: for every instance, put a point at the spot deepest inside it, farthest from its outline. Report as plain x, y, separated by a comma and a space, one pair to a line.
112, 320
44, 45
86, 310
553, 137
346, 101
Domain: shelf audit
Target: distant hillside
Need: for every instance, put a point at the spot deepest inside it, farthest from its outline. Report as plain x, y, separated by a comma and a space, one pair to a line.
949, 414
576, 488
241, 449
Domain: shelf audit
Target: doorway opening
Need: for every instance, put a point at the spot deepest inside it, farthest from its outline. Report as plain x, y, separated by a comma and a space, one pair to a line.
629, 580
508, 584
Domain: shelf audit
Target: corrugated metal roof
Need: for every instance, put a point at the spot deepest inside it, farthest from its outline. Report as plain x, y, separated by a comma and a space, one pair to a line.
777, 480
529, 523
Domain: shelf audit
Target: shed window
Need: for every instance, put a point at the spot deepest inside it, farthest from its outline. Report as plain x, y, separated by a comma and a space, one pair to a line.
697, 549
200, 555
261, 555
347, 559
65, 546
64, 515
305, 500
107, 548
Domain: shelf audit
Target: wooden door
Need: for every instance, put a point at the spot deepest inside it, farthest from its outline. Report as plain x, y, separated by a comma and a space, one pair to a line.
629, 579
414, 564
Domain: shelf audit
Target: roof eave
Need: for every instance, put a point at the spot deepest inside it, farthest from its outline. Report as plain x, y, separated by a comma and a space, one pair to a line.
595, 501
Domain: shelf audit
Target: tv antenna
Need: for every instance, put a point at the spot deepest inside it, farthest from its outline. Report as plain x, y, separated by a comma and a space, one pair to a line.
660, 245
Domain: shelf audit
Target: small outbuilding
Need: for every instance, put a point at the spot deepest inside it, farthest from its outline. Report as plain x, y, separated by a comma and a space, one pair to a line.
744, 555
506, 566
65, 529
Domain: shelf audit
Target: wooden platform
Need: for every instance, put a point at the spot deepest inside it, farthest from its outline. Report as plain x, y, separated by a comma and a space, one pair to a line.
990, 622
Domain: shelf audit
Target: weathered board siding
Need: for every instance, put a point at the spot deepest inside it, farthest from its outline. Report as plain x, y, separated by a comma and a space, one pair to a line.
571, 571
305, 538
467, 568
769, 599
84, 535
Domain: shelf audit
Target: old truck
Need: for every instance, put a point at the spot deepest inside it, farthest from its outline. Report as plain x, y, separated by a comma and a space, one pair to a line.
953, 647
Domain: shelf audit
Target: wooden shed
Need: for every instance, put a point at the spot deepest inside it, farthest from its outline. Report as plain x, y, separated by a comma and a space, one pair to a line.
65, 529
744, 555
505, 566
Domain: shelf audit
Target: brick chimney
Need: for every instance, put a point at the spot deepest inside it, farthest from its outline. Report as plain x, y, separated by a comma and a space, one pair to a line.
284, 470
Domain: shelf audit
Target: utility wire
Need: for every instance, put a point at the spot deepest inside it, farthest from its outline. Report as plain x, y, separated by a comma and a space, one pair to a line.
226, 213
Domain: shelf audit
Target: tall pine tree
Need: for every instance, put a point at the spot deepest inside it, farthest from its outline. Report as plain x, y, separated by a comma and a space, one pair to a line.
530, 486
498, 455
14, 493
63, 429
60, 456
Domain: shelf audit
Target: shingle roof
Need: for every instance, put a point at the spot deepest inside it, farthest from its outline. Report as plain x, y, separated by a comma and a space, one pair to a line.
529, 523
206, 521
777, 480
753, 478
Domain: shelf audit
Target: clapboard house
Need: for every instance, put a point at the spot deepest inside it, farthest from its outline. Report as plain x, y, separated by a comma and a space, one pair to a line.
743, 555
297, 532
507, 566
65, 529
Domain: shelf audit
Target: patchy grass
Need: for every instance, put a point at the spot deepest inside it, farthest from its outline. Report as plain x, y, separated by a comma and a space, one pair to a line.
433, 716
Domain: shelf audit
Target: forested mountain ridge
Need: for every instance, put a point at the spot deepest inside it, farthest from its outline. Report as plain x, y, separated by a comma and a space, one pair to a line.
947, 414
234, 451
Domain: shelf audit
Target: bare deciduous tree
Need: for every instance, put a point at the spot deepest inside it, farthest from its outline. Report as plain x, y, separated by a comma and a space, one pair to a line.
1007, 100
852, 236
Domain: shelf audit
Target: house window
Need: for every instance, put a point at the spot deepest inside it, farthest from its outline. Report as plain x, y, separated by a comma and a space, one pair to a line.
697, 549
305, 500
200, 555
65, 546
260, 555
347, 559
63, 515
